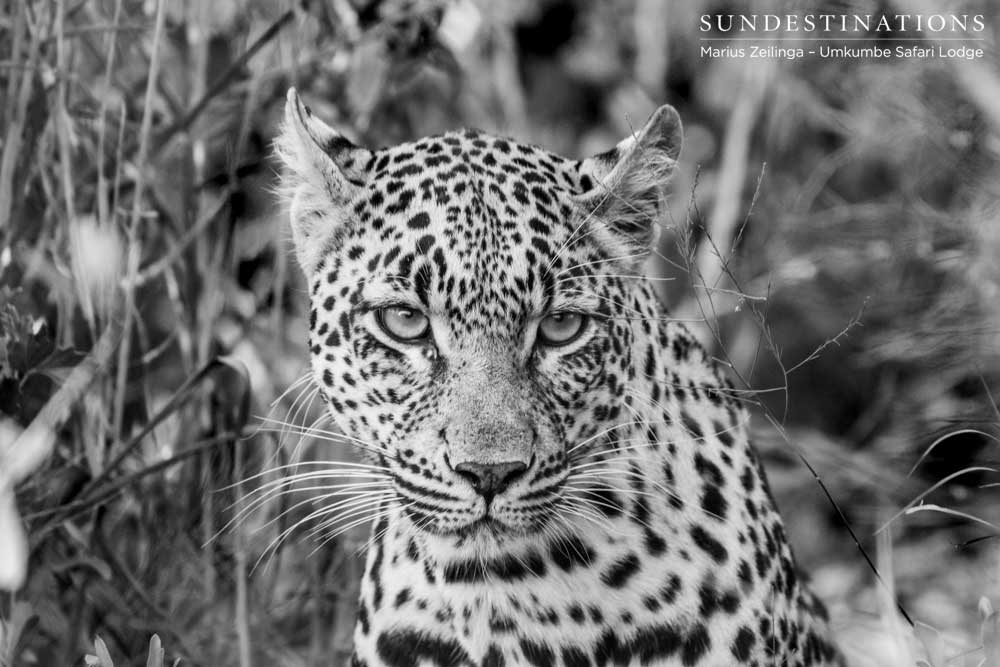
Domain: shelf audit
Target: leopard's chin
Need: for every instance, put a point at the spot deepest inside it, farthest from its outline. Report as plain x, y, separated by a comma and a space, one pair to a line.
485, 527
485, 531
490, 534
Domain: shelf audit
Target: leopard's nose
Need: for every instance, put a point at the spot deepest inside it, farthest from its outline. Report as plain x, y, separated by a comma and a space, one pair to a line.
489, 479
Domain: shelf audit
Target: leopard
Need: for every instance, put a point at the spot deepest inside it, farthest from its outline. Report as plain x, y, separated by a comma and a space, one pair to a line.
562, 475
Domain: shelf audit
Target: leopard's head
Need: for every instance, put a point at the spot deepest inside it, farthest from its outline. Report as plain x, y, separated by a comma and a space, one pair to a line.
470, 325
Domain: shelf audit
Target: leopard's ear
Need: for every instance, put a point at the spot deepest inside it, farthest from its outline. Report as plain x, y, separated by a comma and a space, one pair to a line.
626, 193
323, 172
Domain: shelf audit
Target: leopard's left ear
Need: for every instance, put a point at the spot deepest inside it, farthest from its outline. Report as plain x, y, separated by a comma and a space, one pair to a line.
627, 184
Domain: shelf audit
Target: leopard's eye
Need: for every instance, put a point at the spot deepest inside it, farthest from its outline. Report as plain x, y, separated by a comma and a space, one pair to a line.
406, 325
561, 328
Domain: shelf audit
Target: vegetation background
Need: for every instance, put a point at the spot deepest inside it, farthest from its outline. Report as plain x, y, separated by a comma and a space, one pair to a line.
835, 237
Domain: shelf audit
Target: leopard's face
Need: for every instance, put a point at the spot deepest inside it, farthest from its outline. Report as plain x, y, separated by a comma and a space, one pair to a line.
466, 338
469, 323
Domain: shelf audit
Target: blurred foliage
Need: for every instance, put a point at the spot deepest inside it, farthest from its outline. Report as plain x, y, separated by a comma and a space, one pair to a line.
855, 204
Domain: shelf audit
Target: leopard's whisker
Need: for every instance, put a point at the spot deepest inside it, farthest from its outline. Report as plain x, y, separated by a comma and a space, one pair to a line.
573, 237
562, 530
584, 442
612, 446
583, 508
313, 430
584, 277
339, 515
608, 487
354, 498
594, 497
330, 468
316, 425
652, 482
616, 459
631, 313
300, 387
394, 505
277, 492
276, 542
325, 435
326, 539
277, 487
606, 260
251, 501
302, 402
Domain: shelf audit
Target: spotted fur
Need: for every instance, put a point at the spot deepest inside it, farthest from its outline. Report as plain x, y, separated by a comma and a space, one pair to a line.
637, 527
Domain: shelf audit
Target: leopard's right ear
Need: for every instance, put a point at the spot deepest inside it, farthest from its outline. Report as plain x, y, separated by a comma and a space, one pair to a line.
323, 172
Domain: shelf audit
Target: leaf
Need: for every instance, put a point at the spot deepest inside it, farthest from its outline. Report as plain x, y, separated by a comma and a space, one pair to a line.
945, 510
16, 331
26, 347
59, 363
103, 658
155, 658
909, 507
14, 555
25, 341
985, 607
11, 630
990, 632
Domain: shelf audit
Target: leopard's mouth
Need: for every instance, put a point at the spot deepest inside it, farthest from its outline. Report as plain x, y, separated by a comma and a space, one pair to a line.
486, 529
489, 532
441, 511
487, 525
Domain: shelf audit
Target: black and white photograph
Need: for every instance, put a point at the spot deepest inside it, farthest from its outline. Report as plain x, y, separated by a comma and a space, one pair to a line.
499, 333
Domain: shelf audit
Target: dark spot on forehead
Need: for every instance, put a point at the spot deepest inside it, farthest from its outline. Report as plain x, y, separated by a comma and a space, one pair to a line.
425, 243
419, 221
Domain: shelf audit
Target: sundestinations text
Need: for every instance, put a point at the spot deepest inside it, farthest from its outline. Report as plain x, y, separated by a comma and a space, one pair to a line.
845, 23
